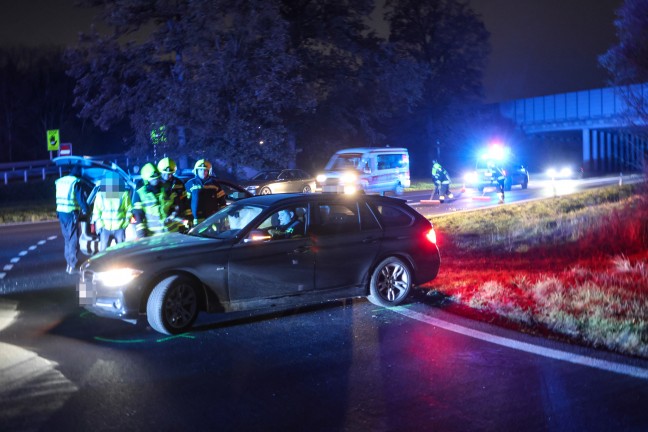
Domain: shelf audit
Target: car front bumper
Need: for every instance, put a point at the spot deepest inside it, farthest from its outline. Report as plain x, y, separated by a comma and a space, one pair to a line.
120, 302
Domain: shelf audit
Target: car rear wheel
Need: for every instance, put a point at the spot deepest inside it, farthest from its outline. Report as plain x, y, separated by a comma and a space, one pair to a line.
307, 189
265, 191
391, 282
172, 307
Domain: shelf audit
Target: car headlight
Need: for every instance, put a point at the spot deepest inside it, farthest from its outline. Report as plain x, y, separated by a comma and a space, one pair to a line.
470, 177
321, 178
116, 277
348, 177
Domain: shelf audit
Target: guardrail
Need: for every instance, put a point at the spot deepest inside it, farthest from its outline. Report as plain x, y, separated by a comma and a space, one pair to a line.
41, 169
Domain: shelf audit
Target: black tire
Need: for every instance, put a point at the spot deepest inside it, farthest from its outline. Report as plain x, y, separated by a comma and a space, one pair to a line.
172, 306
307, 189
265, 191
391, 282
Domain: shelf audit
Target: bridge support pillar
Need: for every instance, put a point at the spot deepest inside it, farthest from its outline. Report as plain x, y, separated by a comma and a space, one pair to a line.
587, 158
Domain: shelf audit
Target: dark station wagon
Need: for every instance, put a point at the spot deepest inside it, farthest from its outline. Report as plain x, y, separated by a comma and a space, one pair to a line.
271, 250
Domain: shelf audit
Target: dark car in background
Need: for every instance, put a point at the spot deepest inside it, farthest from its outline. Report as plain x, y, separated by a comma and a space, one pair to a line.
280, 181
243, 257
487, 172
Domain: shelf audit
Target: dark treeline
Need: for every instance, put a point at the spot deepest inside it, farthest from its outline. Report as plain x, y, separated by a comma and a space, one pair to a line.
37, 95
253, 82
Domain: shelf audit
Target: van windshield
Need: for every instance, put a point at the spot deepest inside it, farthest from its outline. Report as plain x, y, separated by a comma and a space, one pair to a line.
346, 161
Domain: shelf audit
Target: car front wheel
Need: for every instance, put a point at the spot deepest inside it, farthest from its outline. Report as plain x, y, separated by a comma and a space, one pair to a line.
265, 191
390, 283
306, 189
172, 307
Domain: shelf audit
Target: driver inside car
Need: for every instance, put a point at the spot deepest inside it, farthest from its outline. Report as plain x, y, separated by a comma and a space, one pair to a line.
289, 225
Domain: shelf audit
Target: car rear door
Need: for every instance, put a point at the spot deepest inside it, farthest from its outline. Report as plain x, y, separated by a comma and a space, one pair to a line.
346, 241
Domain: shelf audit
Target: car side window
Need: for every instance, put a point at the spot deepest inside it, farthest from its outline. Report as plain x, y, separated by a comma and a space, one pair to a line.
338, 219
368, 221
393, 216
286, 223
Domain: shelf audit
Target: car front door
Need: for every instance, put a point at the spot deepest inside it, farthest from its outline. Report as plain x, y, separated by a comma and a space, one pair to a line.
265, 266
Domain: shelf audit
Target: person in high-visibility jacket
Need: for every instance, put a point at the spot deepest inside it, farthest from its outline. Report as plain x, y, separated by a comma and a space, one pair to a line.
178, 212
112, 211
441, 182
203, 191
71, 203
149, 205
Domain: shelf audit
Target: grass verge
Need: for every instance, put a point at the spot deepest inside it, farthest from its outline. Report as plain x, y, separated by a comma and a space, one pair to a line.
574, 266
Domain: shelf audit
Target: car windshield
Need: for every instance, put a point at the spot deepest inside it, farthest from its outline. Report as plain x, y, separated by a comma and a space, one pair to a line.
266, 175
348, 160
227, 222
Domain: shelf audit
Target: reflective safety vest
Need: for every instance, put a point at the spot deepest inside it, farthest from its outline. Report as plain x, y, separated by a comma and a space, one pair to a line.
66, 201
152, 205
112, 213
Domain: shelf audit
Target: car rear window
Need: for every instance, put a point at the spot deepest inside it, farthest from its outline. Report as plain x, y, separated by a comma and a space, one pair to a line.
392, 216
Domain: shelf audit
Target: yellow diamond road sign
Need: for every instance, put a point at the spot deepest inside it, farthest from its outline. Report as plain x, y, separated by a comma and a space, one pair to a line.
53, 140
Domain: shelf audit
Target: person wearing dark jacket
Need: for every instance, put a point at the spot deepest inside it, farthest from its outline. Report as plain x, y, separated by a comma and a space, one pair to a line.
71, 203
205, 195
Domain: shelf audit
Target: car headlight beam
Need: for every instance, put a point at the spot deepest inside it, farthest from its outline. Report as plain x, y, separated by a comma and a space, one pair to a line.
116, 277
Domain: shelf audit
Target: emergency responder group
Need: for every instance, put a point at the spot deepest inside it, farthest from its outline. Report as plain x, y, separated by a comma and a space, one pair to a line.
162, 204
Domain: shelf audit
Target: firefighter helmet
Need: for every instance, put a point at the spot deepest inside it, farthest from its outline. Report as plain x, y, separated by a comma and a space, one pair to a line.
149, 172
167, 166
203, 164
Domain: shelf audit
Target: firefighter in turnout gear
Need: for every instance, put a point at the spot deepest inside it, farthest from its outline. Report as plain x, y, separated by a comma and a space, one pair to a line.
441, 182
205, 195
149, 205
112, 210
71, 203
178, 213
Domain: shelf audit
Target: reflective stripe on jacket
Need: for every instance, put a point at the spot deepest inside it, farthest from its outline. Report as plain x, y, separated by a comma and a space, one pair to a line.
66, 201
148, 208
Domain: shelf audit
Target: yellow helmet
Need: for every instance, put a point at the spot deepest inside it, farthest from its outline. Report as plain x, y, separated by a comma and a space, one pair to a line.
167, 166
203, 163
149, 172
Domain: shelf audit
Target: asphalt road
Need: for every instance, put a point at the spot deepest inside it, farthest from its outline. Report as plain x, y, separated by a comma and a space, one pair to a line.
340, 366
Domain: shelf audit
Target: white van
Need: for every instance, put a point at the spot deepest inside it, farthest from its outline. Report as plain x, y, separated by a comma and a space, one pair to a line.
368, 169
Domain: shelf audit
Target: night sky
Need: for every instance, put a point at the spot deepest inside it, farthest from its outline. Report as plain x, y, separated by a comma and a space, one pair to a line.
539, 46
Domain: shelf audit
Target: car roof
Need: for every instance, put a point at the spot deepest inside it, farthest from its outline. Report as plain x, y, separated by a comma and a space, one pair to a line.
288, 198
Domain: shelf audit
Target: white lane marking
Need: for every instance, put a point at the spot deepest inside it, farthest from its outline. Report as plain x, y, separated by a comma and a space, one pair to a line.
605, 365
41, 243
7, 267
2, 275
51, 237
22, 253
14, 260
31, 248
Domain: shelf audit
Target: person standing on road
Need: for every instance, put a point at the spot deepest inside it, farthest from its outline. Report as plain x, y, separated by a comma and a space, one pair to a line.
498, 172
441, 182
149, 204
112, 211
175, 196
205, 195
71, 203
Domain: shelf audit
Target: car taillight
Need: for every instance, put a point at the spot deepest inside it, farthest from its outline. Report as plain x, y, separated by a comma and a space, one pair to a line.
431, 236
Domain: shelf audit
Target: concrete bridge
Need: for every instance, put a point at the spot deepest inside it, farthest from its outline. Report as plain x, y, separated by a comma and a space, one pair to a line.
605, 119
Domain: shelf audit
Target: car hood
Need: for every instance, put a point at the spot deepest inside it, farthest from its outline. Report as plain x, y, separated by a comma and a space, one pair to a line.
156, 248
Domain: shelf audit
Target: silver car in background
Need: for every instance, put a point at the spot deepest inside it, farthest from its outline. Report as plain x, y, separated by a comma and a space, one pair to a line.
280, 181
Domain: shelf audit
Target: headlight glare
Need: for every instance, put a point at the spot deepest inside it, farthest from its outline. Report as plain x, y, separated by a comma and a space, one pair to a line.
116, 277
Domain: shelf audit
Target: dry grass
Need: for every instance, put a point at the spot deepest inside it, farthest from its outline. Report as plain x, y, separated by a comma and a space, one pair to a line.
574, 267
